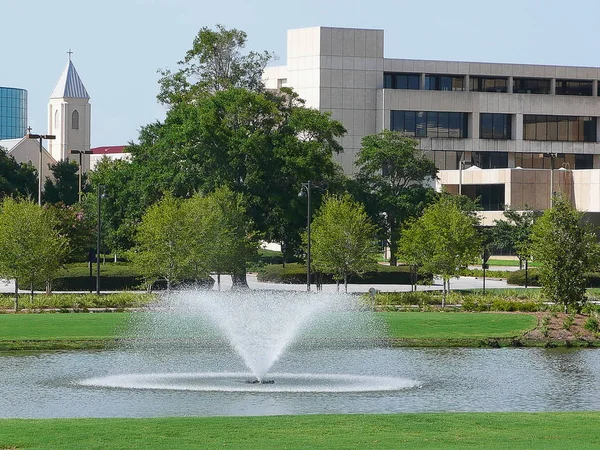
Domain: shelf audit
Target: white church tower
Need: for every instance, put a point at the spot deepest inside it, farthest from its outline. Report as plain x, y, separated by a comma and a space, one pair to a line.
69, 117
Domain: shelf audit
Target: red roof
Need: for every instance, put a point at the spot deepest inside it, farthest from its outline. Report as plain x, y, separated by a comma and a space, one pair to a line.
108, 149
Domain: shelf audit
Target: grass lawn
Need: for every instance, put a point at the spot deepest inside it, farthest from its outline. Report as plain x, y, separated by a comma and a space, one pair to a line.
61, 326
437, 325
578, 430
425, 325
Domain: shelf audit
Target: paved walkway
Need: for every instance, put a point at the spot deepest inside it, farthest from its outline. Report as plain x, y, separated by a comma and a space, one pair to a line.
455, 283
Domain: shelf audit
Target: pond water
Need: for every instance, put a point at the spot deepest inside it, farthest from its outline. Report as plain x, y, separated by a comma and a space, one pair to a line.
211, 382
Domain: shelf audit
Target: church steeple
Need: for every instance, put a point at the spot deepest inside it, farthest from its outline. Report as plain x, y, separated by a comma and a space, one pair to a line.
69, 116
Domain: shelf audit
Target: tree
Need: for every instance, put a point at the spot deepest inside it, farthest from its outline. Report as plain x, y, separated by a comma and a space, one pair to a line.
222, 234
162, 247
566, 249
214, 63
16, 179
31, 248
64, 188
442, 241
396, 176
78, 227
343, 239
514, 233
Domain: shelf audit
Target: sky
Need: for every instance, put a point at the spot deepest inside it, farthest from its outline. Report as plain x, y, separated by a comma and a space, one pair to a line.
118, 46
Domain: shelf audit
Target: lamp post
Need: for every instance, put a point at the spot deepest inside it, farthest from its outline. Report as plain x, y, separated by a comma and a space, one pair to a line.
80, 153
40, 137
306, 187
100, 195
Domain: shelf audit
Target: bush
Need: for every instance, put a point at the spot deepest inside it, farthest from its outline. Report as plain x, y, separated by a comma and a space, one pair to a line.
491, 303
488, 273
591, 324
296, 273
518, 278
80, 301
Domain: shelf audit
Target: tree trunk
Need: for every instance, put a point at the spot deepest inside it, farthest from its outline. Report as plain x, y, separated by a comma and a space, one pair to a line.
219, 281
48, 287
283, 251
239, 280
346, 283
16, 295
394, 235
31, 293
337, 285
444, 295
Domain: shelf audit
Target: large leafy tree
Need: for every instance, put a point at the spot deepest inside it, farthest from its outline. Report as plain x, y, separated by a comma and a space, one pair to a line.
16, 179
214, 63
343, 239
396, 177
442, 241
566, 249
63, 187
31, 247
78, 227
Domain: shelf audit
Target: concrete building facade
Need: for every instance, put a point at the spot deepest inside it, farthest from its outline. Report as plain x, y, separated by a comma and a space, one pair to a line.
495, 131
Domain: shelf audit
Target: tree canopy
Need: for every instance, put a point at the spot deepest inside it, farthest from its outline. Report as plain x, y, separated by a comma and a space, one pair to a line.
18, 180
63, 187
343, 239
566, 249
395, 177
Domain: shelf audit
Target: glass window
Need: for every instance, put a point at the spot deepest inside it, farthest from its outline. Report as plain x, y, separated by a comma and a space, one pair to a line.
430, 123
531, 86
495, 126
488, 84
490, 160
75, 120
584, 161
574, 87
559, 128
444, 82
392, 80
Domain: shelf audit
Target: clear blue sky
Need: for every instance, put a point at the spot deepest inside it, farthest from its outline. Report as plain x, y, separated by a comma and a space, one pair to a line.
119, 45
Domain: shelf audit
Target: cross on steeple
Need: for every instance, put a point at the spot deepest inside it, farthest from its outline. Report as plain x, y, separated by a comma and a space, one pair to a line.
29, 130
69, 53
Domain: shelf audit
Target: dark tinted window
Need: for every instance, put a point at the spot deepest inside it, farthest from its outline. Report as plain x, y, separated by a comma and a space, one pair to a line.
531, 86
494, 126
490, 160
584, 161
574, 87
430, 123
444, 83
488, 84
401, 80
559, 128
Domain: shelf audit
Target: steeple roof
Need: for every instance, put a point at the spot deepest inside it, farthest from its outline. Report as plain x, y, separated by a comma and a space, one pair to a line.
69, 84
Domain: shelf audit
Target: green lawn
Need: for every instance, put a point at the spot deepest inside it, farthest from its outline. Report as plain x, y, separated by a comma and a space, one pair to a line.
437, 325
425, 325
577, 430
61, 326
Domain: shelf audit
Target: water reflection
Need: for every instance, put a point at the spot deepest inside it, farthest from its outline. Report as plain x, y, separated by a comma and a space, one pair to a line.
535, 379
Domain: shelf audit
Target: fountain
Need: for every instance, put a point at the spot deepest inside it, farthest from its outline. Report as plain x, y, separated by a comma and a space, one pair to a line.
260, 327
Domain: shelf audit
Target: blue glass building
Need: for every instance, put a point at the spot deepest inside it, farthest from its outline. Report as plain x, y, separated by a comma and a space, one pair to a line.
13, 113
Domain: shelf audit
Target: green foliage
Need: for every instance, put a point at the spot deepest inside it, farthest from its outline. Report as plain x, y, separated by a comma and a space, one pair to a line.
488, 273
568, 322
343, 239
16, 179
214, 63
76, 225
591, 324
31, 248
84, 301
517, 277
63, 187
442, 241
566, 249
296, 273
392, 179
514, 233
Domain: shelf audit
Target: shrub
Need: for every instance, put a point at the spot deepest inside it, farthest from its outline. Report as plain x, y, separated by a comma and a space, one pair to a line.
81, 301
568, 322
491, 303
518, 277
591, 324
296, 273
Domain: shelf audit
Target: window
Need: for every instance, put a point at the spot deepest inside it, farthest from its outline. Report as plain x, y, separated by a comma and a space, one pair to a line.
531, 86
559, 128
584, 161
574, 87
491, 196
430, 123
56, 119
494, 126
490, 160
488, 84
75, 120
444, 83
393, 80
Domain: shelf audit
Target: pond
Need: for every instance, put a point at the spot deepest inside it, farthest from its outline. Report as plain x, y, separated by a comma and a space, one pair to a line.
211, 382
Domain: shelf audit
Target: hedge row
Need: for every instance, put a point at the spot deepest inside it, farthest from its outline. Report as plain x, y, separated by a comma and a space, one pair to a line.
296, 273
533, 278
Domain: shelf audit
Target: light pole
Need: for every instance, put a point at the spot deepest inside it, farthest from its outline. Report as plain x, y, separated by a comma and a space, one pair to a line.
306, 187
100, 195
80, 153
40, 137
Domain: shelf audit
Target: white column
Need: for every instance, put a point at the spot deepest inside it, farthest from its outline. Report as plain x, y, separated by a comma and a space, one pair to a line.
509, 88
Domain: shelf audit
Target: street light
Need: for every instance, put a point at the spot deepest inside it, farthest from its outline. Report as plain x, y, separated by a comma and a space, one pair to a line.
100, 196
305, 190
40, 137
80, 153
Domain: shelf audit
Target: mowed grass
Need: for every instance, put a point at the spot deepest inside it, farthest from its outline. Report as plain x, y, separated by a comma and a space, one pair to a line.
83, 326
417, 325
573, 430
455, 325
